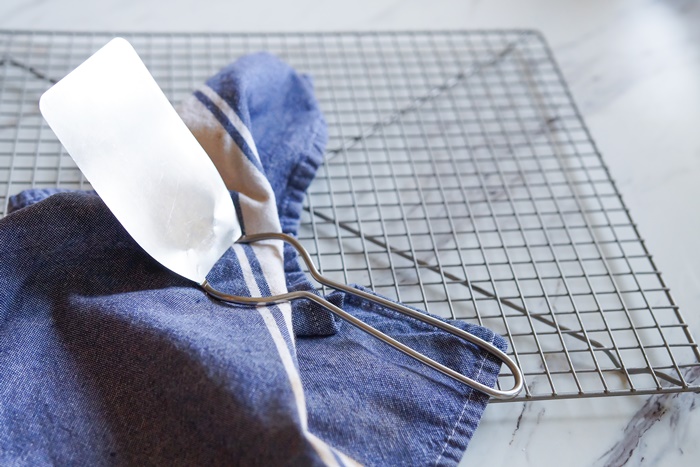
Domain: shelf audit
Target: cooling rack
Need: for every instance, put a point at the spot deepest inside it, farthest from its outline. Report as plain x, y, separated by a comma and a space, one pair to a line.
459, 178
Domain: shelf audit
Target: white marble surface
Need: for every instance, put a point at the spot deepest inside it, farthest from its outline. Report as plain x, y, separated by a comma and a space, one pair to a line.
634, 69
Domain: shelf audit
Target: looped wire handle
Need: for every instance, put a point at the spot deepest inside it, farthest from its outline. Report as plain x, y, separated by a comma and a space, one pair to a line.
281, 298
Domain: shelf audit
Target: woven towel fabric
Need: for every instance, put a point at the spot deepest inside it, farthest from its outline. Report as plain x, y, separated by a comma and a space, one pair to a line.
110, 358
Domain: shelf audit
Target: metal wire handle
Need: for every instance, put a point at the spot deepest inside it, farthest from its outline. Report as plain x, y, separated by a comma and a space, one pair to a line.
275, 299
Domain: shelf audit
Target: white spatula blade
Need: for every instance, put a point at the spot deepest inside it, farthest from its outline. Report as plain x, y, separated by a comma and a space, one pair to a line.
137, 153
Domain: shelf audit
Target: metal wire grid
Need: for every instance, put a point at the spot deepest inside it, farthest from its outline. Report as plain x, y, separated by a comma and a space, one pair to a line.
459, 178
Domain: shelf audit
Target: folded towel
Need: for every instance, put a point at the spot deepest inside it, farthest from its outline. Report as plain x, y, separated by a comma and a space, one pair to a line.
108, 357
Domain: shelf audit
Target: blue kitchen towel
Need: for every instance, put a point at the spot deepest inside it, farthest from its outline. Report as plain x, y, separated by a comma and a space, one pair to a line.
109, 358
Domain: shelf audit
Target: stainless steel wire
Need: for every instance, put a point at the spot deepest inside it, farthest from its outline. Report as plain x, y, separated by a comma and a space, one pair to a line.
459, 178
427, 319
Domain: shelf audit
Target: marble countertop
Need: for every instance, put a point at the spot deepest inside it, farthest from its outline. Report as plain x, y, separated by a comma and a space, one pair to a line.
634, 69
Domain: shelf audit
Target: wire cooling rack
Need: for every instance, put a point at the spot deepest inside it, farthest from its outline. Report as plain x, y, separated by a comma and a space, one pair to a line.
459, 178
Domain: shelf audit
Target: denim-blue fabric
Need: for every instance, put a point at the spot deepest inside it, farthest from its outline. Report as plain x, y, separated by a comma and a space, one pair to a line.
109, 358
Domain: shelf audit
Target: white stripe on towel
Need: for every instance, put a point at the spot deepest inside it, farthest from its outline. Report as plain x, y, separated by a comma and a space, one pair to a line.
232, 117
259, 214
